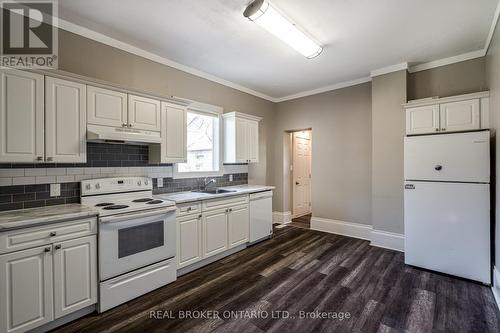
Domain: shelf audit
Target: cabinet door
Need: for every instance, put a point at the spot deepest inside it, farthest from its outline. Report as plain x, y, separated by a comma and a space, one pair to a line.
239, 227
189, 241
75, 275
253, 141
26, 289
21, 117
65, 121
214, 232
241, 140
174, 133
106, 107
144, 113
460, 116
421, 120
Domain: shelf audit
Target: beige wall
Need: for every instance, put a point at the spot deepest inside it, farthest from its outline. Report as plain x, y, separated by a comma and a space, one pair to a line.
493, 81
455, 79
388, 130
86, 57
341, 152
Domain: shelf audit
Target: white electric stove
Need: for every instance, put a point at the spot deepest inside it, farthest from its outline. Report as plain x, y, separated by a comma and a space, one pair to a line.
137, 237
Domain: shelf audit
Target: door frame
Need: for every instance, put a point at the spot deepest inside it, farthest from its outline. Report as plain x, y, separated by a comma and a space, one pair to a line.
292, 173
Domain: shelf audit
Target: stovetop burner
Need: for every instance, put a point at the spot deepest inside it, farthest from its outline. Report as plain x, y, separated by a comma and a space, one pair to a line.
116, 207
142, 200
104, 204
153, 202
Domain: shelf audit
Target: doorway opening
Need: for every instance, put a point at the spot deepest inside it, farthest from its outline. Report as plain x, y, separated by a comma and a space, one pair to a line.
300, 177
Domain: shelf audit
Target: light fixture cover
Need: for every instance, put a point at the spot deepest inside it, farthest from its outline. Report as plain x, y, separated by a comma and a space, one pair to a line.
262, 13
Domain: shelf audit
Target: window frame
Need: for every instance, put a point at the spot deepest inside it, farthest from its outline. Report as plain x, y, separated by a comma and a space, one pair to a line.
218, 144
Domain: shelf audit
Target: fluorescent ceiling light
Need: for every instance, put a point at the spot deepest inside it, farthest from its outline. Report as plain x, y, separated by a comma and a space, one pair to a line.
262, 13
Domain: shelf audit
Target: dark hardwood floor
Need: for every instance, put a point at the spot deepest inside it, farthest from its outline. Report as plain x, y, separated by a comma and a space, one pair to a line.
302, 222
305, 270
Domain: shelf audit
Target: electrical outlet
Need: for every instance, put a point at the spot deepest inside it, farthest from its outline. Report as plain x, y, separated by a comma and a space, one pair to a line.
230, 178
159, 182
55, 190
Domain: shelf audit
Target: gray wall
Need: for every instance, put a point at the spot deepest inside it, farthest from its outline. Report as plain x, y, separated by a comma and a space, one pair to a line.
388, 130
455, 79
493, 81
341, 152
86, 57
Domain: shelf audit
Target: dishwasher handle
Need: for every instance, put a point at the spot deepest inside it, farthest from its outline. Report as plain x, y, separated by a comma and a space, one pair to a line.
261, 195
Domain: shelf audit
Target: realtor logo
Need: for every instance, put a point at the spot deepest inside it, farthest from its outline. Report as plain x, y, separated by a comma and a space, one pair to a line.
29, 37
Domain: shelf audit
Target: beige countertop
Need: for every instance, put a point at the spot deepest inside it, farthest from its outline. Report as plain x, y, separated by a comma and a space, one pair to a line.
22, 218
182, 197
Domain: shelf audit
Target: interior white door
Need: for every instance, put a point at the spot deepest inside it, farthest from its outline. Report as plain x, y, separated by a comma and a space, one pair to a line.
301, 173
144, 113
214, 232
447, 228
21, 117
26, 296
106, 107
463, 157
422, 120
174, 133
75, 275
189, 241
241, 140
239, 228
460, 116
65, 121
253, 141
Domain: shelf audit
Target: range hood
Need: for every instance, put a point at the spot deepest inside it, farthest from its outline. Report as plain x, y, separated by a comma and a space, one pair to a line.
96, 133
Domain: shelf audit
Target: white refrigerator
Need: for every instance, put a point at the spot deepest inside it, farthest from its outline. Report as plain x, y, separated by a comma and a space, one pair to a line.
447, 204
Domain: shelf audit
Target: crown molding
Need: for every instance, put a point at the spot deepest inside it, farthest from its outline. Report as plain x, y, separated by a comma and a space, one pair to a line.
492, 29
447, 61
324, 89
389, 69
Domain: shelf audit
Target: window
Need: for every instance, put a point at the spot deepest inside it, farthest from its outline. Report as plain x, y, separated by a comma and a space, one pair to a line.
202, 144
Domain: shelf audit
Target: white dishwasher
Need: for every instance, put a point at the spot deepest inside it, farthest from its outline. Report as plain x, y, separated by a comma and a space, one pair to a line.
261, 215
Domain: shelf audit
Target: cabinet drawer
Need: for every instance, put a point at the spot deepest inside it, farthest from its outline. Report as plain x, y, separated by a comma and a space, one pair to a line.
189, 208
224, 202
37, 236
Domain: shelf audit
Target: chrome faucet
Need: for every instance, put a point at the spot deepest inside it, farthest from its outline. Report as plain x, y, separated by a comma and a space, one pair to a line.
207, 182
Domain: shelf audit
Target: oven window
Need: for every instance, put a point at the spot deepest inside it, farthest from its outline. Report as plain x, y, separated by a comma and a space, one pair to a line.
140, 238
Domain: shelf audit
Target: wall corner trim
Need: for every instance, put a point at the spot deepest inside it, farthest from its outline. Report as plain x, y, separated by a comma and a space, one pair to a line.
282, 217
495, 288
389, 69
378, 238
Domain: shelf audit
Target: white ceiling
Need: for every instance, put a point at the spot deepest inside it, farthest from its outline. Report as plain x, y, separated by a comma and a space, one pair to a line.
358, 36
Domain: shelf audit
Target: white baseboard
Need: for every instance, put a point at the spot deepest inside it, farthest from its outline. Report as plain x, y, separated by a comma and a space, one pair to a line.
379, 238
495, 288
356, 230
282, 217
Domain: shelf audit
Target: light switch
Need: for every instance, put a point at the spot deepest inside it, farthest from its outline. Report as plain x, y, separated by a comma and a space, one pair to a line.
230, 178
160, 182
55, 190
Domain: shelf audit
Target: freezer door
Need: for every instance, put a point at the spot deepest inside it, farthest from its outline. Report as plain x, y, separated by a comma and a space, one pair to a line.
460, 157
447, 228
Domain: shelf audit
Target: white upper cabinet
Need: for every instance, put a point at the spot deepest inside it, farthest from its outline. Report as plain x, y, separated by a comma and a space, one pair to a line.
106, 107
21, 117
450, 114
174, 133
65, 121
241, 138
144, 113
26, 298
460, 116
424, 119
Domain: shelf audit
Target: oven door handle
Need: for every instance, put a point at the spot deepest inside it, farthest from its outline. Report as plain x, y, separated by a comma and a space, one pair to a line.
124, 217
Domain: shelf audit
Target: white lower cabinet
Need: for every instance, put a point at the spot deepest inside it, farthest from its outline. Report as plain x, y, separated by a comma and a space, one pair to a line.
26, 294
214, 232
238, 225
75, 275
189, 241
45, 283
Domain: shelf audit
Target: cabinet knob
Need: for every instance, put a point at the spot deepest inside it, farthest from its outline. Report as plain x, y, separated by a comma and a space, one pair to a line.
438, 167
47, 249
39, 158
189, 209
200, 216
57, 247
124, 125
50, 159
230, 209
443, 129
437, 129
53, 234
129, 125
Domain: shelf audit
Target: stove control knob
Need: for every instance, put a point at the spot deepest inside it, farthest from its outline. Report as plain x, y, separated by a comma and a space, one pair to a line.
139, 183
87, 186
97, 186
146, 182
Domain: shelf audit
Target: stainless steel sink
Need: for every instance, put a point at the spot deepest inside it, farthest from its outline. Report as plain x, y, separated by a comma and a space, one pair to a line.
214, 191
